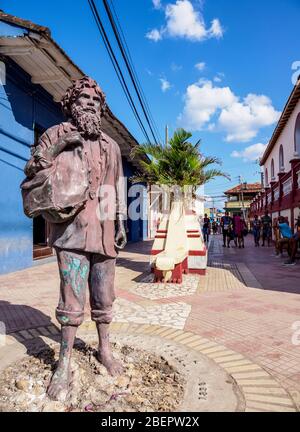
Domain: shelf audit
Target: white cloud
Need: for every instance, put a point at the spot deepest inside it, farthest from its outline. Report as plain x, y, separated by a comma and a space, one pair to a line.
175, 67
154, 35
157, 4
243, 119
216, 29
184, 21
202, 101
165, 85
240, 119
251, 153
219, 77
200, 66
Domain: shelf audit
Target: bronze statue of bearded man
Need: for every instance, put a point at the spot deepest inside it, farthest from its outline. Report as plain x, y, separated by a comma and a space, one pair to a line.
74, 168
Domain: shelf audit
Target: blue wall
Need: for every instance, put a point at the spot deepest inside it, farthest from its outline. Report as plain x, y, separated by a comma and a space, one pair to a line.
22, 105
137, 228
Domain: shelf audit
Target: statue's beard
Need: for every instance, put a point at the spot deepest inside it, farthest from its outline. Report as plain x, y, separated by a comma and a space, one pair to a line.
87, 123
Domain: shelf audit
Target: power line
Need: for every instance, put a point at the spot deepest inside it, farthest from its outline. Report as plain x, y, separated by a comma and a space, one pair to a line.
116, 66
126, 48
128, 65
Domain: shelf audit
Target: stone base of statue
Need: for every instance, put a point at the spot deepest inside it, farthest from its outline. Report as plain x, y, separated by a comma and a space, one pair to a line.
159, 376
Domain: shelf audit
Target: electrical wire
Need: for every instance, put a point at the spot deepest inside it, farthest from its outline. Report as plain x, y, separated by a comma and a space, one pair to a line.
117, 67
127, 51
127, 63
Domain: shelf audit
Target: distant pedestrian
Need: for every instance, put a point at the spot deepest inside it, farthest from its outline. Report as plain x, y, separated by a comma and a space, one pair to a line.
226, 225
214, 227
266, 221
256, 228
206, 228
239, 225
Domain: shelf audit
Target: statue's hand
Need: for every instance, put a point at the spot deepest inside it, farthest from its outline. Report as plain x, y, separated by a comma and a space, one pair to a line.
120, 237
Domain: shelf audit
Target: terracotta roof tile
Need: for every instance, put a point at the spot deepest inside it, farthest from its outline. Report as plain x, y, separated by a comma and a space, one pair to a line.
248, 187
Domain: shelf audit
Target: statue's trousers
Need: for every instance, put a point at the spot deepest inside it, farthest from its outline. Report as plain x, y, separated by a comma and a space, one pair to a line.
77, 270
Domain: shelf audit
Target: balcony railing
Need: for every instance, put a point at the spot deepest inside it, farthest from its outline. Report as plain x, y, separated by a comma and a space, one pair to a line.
287, 187
237, 204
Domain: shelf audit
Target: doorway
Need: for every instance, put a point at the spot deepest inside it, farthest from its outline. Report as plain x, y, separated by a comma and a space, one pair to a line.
40, 227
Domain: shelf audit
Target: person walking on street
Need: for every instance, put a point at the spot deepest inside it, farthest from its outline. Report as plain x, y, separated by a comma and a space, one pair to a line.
226, 225
214, 227
206, 228
266, 221
256, 227
239, 225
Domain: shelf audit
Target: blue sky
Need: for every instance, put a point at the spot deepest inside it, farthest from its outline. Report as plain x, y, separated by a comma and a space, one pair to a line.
221, 68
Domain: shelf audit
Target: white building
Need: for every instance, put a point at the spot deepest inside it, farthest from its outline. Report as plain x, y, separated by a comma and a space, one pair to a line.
281, 165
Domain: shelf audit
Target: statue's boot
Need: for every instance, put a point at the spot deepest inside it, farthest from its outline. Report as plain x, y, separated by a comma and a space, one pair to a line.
113, 366
60, 382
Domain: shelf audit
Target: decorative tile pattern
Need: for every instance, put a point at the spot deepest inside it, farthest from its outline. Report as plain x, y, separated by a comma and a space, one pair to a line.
172, 315
156, 291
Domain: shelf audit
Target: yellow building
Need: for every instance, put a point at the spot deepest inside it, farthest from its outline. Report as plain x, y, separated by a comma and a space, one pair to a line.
240, 197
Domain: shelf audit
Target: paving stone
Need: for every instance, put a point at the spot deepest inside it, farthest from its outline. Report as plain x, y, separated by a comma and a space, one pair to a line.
270, 399
226, 358
275, 391
213, 350
254, 374
245, 368
25, 334
43, 331
197, 342
261, 406
53, 330
155, 291
34, 333
268, 382
230, 363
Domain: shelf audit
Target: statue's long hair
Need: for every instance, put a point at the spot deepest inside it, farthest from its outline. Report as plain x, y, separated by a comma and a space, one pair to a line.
74, 90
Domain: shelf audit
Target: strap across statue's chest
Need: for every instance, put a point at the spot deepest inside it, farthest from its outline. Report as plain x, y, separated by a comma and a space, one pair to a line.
96, 159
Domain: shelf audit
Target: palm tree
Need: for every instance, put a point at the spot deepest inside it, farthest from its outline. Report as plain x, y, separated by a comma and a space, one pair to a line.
178, 164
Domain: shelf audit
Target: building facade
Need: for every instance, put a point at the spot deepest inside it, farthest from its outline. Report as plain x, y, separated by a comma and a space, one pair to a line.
281, 165
240, 197
35, 73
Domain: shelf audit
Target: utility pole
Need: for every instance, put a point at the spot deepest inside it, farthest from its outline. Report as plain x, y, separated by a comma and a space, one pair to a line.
166, 135
242, 195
